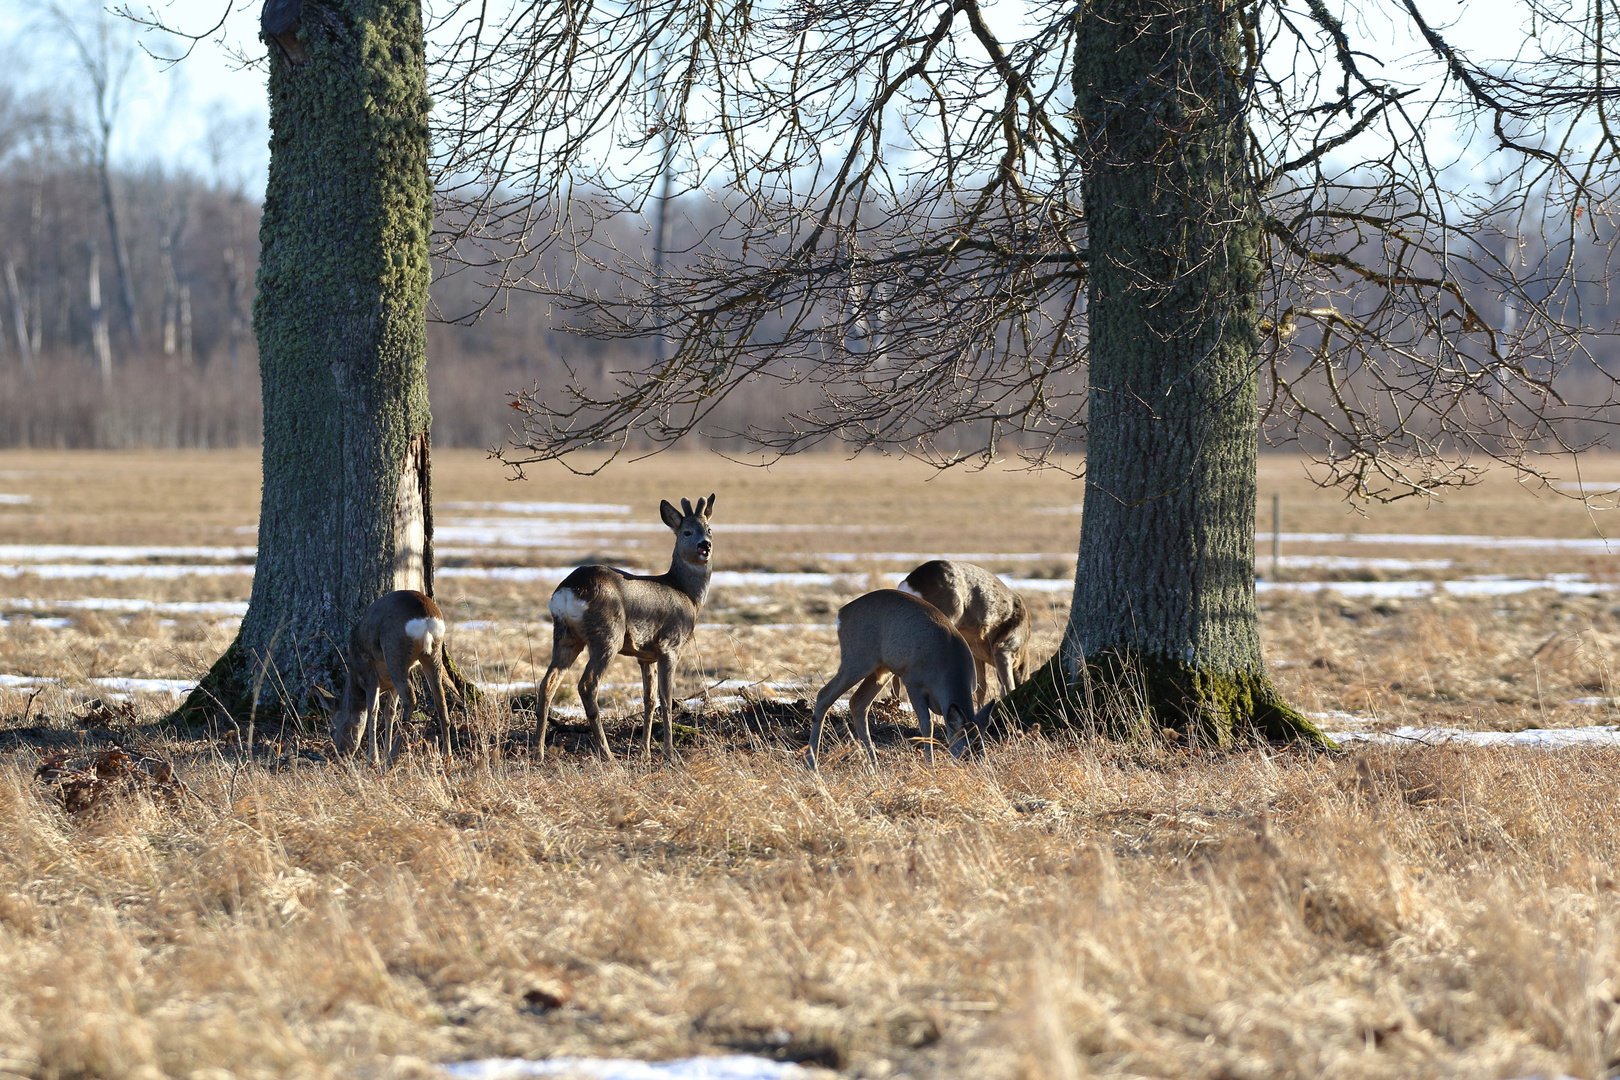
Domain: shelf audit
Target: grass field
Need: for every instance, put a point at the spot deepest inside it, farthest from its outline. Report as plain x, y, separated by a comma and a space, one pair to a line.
1056, 910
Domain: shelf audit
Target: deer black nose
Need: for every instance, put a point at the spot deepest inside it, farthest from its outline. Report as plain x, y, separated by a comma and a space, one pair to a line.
703, 550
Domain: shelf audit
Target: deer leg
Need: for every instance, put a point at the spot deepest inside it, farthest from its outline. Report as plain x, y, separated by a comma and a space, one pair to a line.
925, 720
373, 707
981, 686
596, 663
434, 677
565, 649
830, 693
648, 706
859, 702
666, 701
1006, 674
385, 719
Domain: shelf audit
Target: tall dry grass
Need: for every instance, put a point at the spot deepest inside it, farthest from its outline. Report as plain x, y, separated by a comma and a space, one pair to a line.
1051, 912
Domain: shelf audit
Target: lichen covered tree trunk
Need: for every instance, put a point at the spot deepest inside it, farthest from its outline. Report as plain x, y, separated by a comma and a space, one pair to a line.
1163, 630
341, 324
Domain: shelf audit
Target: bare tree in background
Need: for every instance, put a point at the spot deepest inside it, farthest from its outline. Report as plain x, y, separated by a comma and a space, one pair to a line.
1151, 225
104, 50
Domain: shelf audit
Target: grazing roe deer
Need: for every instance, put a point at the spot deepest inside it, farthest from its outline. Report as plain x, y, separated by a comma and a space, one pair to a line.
608, 611
398, 631
891, 631
991, 617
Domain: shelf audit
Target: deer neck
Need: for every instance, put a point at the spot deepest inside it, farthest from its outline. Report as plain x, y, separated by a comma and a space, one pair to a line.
689, 579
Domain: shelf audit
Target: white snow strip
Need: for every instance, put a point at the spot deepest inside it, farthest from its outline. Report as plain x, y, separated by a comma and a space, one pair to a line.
39, 622
15, 500
1040, 585
729, 1067
540, 507
172, 687
506, 573
1591, 545
103, 603
1594, 701
117, 552
1537, 738
1353, 562
1590, 487
1413, 589
103, 570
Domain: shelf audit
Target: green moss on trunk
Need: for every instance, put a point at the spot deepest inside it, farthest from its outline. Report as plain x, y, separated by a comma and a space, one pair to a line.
1124, 697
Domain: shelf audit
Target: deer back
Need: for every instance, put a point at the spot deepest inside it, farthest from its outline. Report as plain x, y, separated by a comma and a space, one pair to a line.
912, 638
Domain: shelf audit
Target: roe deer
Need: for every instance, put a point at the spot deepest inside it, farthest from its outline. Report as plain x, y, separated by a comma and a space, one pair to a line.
398, 631
891, 631
608, 611
991, 617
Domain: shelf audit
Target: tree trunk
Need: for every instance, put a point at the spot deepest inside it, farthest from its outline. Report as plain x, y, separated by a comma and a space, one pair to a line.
126, 287
341, 325
1163, 631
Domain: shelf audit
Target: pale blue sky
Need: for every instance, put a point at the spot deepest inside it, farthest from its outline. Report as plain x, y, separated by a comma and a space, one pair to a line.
175, 112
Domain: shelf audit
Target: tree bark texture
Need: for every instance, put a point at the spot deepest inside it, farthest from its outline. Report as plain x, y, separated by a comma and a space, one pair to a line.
1163, 629
341, 324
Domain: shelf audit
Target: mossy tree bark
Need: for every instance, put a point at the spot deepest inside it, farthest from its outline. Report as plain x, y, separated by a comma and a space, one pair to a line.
346, 511
1163, 631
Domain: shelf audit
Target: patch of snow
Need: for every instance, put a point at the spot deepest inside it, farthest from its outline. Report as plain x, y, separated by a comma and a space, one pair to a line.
102, 603
1535, 738
103, 570
1594, 701
1040, 585
15, 500
172, 687
1593, 545
42, 622
540, 507
1412, 589
728, 1067
1590, 487
117, 552
505, 573
1353, 562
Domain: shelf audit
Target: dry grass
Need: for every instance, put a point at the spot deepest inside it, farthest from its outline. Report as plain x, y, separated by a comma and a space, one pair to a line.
1054, 911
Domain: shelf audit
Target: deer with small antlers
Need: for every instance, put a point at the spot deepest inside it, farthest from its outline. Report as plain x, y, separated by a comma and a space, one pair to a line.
891, 631
604, 611
992, 618
398, 632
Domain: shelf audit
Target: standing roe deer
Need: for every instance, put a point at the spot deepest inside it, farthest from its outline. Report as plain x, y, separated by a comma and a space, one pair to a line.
608, 611
891, 631
991, 617
398, 631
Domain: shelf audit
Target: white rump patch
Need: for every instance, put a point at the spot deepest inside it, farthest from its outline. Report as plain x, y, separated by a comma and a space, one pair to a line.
567, 606
905, 587
425, 630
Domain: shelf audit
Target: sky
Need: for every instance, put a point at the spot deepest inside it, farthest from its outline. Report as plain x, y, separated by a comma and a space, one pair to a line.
207, 113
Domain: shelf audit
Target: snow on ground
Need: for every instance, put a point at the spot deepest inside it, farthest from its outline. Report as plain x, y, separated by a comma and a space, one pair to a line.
539, 507
117, 552
1536, 738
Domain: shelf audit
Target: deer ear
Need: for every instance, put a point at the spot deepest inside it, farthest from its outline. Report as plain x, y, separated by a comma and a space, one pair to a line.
706, 511
671, 516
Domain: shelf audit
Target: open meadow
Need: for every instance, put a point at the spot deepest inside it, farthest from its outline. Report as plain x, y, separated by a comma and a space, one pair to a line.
241, 905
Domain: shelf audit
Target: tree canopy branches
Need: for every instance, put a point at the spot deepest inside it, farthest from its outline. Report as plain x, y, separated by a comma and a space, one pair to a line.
902, 228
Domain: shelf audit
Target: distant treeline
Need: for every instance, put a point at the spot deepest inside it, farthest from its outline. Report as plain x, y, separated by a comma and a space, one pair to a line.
130, 326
